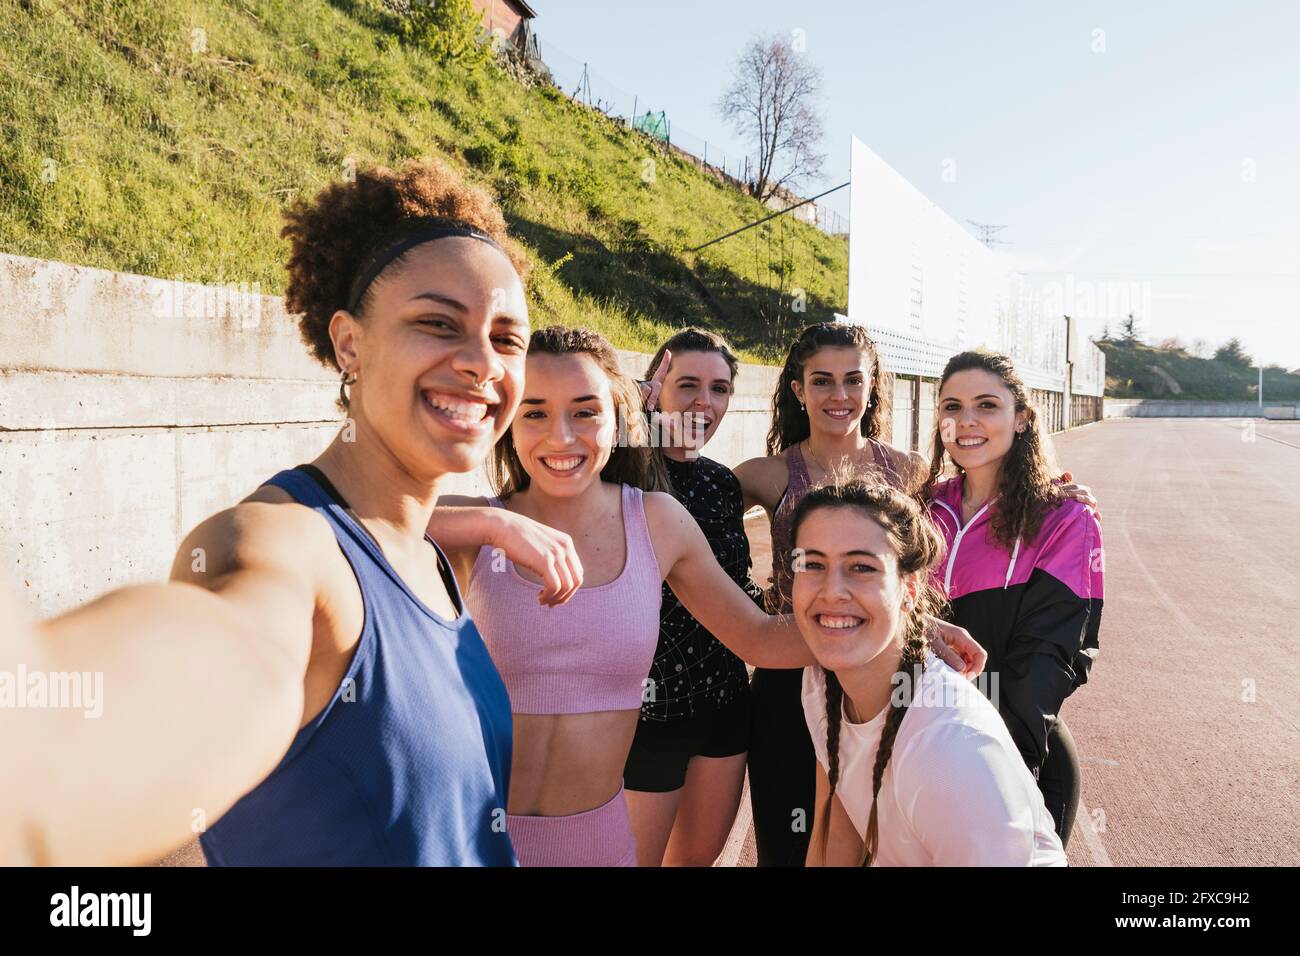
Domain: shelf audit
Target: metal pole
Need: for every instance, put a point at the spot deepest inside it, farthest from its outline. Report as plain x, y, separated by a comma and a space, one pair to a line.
759, 222
634, 110
1261, 386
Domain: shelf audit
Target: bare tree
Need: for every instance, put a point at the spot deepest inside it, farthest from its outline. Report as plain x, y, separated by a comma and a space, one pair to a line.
772, 102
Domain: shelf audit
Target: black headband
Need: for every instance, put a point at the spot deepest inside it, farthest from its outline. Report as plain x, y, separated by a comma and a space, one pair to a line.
386, 254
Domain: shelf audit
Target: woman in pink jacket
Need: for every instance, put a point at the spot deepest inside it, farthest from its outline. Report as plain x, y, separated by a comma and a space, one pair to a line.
1023, 563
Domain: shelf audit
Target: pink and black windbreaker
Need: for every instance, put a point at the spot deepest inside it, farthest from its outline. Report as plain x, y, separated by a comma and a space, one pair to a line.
1036, 609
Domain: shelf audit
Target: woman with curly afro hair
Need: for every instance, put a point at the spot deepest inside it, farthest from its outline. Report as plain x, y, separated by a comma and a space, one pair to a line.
309, 686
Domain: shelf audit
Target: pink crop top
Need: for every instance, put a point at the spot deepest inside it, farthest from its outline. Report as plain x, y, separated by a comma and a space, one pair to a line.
590, 654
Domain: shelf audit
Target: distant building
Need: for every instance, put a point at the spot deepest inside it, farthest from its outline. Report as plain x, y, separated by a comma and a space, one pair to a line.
783, 198
509, 20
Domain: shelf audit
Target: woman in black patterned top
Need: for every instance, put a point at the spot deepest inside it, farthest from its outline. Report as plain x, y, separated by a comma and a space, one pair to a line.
686, 769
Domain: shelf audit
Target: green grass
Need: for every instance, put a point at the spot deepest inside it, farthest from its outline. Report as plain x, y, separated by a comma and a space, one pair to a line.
167, 161
1129, 375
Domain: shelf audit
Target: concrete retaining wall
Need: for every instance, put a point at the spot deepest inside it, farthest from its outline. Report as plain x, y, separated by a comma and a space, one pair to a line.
133, 407
1169, 408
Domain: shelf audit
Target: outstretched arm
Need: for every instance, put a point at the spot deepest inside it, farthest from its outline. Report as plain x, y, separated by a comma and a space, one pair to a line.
200, 692
713, 598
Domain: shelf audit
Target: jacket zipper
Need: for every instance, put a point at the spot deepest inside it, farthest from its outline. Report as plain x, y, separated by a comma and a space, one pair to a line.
961, 533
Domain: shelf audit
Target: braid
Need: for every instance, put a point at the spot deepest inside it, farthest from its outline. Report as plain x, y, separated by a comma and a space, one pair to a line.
834, 712
911, 667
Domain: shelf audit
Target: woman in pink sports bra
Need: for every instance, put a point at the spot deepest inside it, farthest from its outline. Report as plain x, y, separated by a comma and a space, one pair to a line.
575, 459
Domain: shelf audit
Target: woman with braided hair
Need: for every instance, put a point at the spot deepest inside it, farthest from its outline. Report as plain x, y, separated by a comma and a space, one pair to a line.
828, 415
915, 766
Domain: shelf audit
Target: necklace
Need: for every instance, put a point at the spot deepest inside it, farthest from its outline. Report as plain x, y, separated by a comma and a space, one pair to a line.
807, 444
969, 509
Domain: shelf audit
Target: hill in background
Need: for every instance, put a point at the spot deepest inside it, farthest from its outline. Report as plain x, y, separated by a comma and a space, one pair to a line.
165, 139
1137, 370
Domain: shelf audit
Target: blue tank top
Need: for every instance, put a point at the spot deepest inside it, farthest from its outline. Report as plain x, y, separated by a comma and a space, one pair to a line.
409, 762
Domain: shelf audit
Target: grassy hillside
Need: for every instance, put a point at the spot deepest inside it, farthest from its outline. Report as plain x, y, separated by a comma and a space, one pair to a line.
165, 139
1130, 373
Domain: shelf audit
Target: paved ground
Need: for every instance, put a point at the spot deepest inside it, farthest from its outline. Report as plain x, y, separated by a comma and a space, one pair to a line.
1189, 729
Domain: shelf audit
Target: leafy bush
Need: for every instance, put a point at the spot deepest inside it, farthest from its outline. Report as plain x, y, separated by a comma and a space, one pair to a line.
450, 30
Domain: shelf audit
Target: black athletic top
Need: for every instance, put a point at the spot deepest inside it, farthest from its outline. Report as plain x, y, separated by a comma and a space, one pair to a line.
692, 670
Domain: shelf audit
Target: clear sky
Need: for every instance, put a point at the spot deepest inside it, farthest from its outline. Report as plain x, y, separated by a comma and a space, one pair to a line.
1141, 150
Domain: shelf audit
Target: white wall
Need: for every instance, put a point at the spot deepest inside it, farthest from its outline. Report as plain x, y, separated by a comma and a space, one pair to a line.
926, 288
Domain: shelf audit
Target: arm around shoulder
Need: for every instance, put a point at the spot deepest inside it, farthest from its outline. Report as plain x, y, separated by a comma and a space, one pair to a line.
688, 565
462, 524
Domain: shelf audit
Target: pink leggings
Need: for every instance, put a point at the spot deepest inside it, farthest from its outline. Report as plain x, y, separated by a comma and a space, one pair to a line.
599, 837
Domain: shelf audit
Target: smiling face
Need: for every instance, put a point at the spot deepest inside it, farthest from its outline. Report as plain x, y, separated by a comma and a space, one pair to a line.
698, 387
978, 418
565, 428
835, 386
451, 313
848, 595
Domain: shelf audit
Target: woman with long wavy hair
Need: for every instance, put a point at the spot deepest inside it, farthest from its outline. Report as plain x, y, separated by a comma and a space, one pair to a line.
1024, 565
